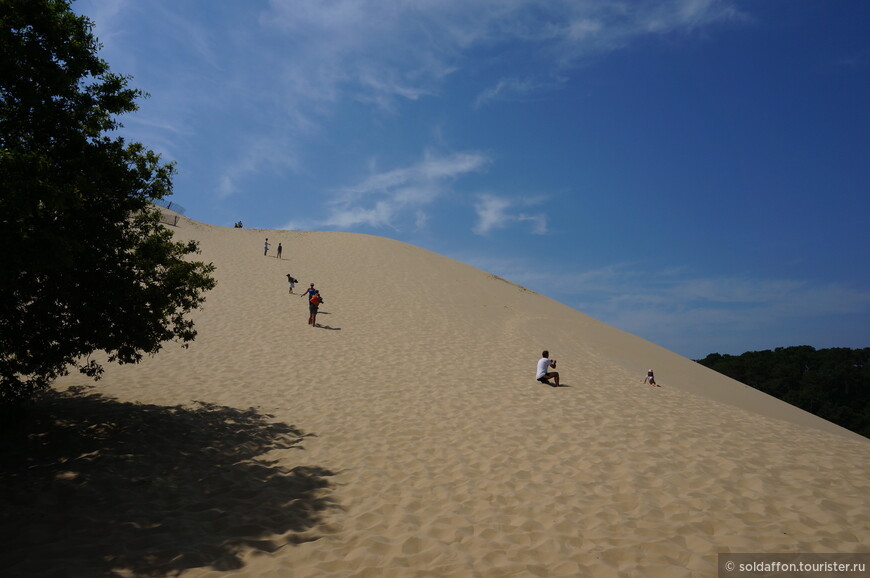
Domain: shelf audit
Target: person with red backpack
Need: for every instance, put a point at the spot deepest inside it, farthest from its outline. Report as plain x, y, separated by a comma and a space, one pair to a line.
314, 301
309, 292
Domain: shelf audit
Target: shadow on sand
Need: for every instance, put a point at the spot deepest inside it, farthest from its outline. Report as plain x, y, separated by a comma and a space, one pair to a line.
91, 486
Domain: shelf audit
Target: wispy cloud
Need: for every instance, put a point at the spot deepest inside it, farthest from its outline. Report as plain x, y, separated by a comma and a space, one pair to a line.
730, 315
494, 212
287, 69
105, 18
565, 35
378, 51
383, 198
264, 153
508, 89
695, 315
372, 52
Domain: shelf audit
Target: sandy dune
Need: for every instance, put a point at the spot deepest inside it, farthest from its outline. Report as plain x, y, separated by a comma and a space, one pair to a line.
406, 436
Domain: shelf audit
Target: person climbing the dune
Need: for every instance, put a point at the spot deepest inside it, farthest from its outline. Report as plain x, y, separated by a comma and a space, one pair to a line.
314, 301
313, 305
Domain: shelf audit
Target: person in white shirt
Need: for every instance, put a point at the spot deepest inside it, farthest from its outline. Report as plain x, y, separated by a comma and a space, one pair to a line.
651, 379
544, 375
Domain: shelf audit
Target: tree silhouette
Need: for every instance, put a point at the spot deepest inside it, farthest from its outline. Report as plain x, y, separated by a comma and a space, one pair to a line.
86, 265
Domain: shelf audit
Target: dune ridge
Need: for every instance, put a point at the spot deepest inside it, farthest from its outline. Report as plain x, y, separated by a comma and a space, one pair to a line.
442, 455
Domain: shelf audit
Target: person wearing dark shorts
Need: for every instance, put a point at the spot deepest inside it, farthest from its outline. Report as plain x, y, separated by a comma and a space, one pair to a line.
542, 371
312, 313
314, 301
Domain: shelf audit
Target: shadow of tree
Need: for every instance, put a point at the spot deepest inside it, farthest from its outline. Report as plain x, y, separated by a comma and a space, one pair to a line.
91, 486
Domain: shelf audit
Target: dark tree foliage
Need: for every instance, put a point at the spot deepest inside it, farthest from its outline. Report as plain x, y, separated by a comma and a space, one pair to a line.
833, 384
85, 265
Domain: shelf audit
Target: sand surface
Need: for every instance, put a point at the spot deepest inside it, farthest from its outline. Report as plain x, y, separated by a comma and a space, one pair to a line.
406, 436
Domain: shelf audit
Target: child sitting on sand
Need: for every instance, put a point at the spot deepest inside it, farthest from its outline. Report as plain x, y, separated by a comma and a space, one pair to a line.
650, 378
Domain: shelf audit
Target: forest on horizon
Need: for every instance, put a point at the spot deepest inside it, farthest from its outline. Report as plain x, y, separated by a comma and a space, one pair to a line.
833, 383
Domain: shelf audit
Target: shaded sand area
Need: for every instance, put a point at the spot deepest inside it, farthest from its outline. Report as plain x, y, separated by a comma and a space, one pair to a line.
406, 436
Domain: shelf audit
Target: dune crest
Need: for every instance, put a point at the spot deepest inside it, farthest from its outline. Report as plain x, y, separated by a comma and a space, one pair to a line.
446, 458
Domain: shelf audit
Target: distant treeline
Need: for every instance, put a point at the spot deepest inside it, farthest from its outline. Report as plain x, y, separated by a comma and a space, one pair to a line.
833, 384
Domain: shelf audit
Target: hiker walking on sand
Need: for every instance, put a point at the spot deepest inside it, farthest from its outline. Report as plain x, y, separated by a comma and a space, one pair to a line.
651, 379
280, 250
291, 281
544, 375
309, 292
313, 304
266, 247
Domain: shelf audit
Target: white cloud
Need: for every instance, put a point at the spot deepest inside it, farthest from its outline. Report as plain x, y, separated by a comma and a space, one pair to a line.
260, 154
381, 214
370, 52
422, 220
283, 72
565, 34
384, 198
510, 89
380, 50
539, 223
493, 213
105, 16
426, 174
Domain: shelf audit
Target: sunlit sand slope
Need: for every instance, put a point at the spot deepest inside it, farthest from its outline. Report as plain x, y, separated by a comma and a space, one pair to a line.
436, 453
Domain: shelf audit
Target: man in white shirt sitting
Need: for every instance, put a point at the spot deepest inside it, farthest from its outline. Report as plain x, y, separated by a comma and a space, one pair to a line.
544, 375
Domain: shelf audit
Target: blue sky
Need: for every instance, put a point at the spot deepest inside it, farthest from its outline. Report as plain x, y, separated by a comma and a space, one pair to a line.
694, 172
